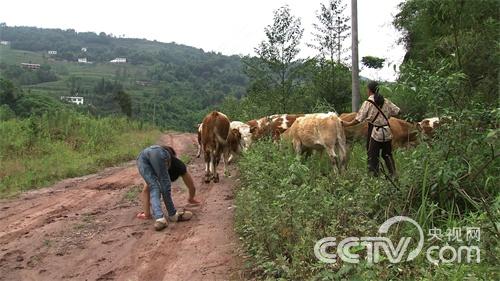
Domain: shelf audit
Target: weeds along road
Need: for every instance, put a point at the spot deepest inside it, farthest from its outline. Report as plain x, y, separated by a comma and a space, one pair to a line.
85, 229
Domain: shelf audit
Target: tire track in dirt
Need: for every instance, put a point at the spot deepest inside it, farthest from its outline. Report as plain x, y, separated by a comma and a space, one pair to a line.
85, 229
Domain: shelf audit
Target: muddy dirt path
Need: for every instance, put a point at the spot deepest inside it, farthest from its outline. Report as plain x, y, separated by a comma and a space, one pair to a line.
85, 229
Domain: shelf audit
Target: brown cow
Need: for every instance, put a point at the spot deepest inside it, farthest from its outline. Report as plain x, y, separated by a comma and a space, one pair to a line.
235, 142
320, 131
403, 133
214, 134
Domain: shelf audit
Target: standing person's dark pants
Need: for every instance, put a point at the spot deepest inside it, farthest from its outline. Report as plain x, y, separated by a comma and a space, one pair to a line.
374, 150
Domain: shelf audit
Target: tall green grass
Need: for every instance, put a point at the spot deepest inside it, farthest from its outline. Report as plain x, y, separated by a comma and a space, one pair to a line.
40, 150
286, 203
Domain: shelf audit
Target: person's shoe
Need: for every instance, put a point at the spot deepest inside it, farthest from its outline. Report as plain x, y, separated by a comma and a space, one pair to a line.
181, 216
160, 224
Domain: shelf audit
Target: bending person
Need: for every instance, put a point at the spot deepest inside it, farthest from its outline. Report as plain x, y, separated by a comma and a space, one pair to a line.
153, 164
177, 169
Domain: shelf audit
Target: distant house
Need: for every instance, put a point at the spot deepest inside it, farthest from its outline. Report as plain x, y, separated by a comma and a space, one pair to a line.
75, 100
118, 60
5, 43
30, 65
84, 49
82, 60
52, 52
143, 82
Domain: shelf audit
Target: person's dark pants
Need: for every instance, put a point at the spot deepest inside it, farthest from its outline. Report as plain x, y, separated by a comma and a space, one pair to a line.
374, 150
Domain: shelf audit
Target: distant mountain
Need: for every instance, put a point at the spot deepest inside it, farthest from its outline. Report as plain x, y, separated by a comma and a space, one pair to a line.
168, 83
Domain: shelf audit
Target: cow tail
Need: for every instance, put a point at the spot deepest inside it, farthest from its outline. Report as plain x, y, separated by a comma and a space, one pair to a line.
219, 138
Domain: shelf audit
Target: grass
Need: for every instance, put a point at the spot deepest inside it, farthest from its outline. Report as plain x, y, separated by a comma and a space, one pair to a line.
39, 151
47, 243
185, 158
133, 193
286, 203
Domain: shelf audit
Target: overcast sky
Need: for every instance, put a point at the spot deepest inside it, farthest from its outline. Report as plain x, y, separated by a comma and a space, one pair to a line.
226, 26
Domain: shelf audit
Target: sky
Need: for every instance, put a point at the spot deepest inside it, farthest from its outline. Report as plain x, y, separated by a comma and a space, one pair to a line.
231, 27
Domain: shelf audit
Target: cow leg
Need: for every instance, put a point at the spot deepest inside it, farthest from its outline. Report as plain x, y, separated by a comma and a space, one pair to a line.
213, 166
307, 152
199, 151
333, 156
230, 158
342, 152
297, 146
227, 156
207, 167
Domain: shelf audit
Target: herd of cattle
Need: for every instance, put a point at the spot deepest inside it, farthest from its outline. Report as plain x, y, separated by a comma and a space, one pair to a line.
219, 138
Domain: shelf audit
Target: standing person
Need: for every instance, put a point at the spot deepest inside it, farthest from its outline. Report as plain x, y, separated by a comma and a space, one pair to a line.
377, 110
153, 163
177, 169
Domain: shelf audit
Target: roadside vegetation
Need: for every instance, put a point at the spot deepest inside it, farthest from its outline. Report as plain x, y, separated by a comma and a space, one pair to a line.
286, 203
41, 149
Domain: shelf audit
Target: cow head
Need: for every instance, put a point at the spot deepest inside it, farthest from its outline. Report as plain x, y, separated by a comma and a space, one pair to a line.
234, 140
428, 126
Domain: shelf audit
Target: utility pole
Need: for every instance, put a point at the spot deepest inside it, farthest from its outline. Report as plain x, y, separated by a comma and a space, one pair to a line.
355, 66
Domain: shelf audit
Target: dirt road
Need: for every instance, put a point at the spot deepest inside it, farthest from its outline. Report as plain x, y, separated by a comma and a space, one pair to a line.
85, 229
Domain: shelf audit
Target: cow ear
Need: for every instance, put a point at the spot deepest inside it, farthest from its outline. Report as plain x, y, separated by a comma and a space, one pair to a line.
252, 129
236, 132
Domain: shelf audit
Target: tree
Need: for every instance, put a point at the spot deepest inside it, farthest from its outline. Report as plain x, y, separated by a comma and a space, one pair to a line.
373, 62
124, 101
330, 33
355, 68
463, 32
331, 30
278, 54
7, 93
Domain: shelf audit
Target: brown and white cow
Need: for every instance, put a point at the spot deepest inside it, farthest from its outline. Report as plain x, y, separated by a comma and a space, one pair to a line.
199, 140
273, 125
282, 122
320, 131
233, 147
246, 136
239, 139
404, 134
429, 125
214, 135
260, 127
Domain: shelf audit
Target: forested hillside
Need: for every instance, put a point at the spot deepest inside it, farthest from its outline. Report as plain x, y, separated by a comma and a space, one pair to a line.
167, 84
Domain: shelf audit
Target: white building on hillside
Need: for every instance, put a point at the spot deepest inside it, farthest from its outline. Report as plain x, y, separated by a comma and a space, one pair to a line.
118, 60
82, 60
52, 52
30, 65
75, 100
